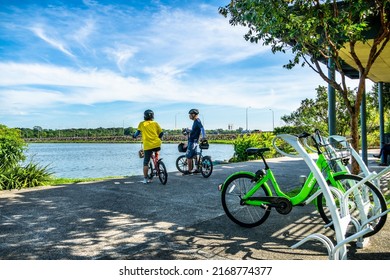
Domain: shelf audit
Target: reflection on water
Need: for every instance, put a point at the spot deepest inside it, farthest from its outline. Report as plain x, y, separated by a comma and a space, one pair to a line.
86, 160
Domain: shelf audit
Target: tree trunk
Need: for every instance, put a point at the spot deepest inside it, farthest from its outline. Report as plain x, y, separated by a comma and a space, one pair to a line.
355, 139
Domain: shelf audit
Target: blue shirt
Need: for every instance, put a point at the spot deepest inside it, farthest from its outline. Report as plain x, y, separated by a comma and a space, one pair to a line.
197, 128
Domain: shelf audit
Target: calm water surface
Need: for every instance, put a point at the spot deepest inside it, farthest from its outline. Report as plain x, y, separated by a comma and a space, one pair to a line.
85, 160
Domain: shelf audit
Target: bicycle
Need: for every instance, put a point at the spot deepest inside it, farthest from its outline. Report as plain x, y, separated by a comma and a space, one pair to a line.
157, 168
247, 197
338, 153
338, 143
203, 164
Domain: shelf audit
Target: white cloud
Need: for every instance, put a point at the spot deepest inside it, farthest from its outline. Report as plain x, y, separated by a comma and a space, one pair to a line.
186, 39
82, 34
56, 43
163, 56
121, 55
33, 86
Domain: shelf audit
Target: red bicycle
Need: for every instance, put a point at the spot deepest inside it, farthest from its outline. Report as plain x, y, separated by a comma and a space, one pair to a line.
157, 168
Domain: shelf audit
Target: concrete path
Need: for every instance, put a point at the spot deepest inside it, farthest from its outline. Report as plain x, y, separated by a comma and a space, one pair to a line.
184, 220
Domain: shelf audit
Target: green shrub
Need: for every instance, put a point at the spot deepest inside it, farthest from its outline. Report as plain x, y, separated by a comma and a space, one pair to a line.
12, 148
13, 175
255, 140
259, 140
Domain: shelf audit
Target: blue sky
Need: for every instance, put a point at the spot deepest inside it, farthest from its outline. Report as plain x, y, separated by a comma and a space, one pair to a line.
101, 63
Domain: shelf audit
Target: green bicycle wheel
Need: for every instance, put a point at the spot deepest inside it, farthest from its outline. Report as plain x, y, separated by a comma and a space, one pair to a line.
365, 202
243, 214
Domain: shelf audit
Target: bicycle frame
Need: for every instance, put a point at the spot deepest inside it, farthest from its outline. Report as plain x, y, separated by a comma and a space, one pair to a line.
155, 158
302, 198
198, 157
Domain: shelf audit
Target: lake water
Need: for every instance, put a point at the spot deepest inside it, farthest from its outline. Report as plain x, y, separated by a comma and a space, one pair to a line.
86, 160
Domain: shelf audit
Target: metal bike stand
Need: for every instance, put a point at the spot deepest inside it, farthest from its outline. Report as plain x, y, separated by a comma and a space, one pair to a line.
373, 177
318, 237
333, 250
365, 171
340, 219
361, 229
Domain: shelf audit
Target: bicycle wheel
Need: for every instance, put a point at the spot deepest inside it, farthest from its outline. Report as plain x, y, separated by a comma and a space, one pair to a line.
162, 172
150, 171
364, 203
240, 213
182, 164
206, 166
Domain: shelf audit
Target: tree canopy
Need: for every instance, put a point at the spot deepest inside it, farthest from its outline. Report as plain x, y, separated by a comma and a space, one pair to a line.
316, 32
313, 113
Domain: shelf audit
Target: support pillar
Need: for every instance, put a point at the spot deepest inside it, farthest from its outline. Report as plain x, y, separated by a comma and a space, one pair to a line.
363, 124
381, 118
331, 99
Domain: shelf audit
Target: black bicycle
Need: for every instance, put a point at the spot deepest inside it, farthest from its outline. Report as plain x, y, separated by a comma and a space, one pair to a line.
203, 164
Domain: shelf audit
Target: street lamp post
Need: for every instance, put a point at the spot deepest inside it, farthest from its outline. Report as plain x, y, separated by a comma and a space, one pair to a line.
246, 117
176, 120
273, 119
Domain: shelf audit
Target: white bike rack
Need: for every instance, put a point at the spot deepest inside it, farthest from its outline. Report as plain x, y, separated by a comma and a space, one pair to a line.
365, 171
340, 216
374, 177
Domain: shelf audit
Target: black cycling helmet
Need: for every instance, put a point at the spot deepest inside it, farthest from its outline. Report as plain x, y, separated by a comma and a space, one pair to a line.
148, 115
194, 111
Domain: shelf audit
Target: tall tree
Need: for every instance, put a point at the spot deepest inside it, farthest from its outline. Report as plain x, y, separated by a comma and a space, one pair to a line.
316, 31
313, 113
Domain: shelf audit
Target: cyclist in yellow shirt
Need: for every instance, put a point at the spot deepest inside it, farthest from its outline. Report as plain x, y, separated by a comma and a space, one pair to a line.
151, 138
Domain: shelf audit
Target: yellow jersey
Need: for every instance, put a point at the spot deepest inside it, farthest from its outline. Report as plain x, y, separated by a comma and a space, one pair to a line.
150, 130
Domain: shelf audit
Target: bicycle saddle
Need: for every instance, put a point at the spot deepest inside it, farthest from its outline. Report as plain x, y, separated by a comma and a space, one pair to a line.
303, 135
256, 151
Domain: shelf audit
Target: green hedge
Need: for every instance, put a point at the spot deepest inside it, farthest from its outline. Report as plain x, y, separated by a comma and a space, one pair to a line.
14, 174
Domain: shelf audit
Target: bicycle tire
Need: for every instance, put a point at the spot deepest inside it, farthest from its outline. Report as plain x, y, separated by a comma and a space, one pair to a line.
369, 192
206, 166
162, 173
244, 215
182, 164
150, 171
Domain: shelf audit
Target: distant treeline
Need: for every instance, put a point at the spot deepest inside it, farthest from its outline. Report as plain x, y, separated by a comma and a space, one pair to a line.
216, 138
122, 135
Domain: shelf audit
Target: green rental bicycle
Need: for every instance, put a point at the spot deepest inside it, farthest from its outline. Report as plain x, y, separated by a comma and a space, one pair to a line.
247, 197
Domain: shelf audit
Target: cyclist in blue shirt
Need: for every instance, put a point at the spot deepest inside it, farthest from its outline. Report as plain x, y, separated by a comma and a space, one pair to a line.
193, 138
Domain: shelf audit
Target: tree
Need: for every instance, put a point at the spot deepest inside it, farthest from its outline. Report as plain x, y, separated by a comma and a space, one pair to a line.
317, 31
313, 113
12, 174
12, 148
386, 96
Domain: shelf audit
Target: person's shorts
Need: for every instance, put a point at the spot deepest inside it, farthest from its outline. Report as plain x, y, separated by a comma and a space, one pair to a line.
191, 150
148, 154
